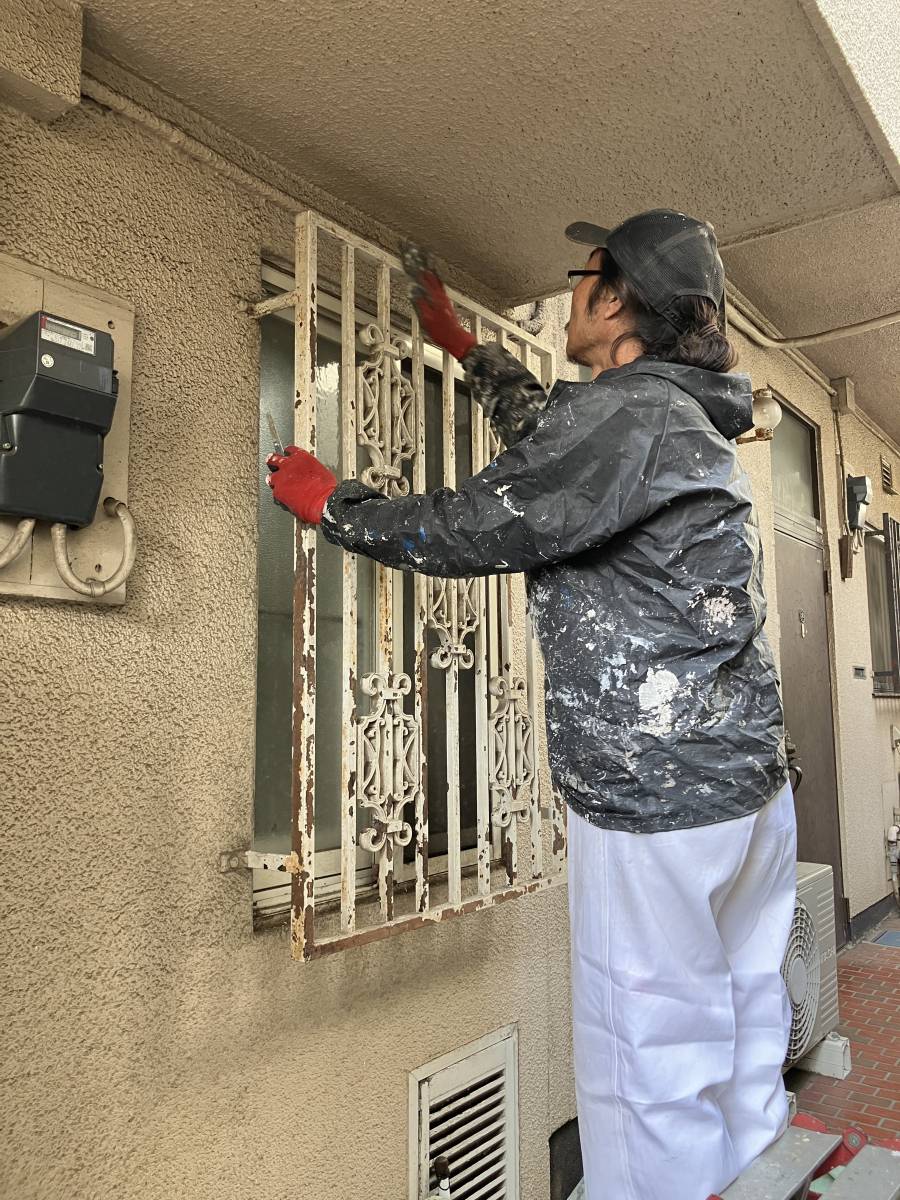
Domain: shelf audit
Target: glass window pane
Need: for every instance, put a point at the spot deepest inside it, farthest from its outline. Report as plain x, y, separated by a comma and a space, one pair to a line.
275, 570
274, 695
272, 831
793, 467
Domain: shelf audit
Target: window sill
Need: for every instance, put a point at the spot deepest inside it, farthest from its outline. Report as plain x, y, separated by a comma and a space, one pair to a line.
886, 695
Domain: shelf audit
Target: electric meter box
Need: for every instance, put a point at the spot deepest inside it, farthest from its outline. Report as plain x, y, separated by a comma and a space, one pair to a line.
57, 400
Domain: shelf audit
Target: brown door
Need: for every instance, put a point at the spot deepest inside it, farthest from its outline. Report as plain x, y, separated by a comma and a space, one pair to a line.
806, 680
805, 665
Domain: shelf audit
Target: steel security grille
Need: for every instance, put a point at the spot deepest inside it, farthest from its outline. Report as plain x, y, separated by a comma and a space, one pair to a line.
416, 624
892, 545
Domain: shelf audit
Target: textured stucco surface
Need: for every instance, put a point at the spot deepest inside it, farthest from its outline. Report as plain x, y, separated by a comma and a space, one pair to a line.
720, 111
40, 55
153, 1046
862, 38
845, 268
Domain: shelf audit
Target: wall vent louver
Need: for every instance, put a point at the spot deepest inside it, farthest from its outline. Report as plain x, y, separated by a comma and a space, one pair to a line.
464, 1108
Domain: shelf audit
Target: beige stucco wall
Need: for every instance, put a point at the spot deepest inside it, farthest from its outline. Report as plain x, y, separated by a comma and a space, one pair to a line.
154, 1047
40, 55
867, 770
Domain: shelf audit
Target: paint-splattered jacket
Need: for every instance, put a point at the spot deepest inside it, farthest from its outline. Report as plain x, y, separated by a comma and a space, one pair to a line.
624, 502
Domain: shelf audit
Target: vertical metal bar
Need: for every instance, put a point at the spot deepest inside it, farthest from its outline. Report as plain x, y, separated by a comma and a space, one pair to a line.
349, 598
304, 668
508, 836
384, 576
482, 678
531, 684
537, 829
454, 860
420, 618
493, 604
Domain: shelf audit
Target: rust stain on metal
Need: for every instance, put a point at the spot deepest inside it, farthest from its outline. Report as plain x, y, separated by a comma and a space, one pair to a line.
434, 916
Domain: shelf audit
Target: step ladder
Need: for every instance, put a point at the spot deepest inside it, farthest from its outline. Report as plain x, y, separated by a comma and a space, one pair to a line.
787, 1168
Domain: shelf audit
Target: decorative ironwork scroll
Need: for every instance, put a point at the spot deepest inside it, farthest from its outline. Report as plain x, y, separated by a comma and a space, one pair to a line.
452, 623
388, 756
511, 751
387, 411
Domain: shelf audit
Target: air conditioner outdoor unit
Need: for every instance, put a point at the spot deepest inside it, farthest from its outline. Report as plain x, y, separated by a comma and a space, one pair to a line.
810, 963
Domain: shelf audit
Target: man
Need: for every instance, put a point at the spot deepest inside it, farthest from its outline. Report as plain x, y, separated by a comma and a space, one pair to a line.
624, 503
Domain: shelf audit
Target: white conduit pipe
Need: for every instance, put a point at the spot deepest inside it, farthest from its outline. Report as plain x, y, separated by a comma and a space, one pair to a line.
17, 542
96, 587
756, 335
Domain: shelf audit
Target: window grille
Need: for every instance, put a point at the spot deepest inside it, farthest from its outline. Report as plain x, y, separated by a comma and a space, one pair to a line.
883, 587
469, 630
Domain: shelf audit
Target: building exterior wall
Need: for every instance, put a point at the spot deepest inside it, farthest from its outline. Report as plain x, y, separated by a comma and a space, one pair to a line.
162, 1049
172, 1052
867, 770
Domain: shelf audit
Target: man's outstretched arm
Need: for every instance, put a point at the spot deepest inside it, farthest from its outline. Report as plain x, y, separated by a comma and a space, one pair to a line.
556, 493
508, 393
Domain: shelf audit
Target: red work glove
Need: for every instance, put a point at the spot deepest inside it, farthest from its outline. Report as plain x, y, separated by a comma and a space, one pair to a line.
434, 306
300, 483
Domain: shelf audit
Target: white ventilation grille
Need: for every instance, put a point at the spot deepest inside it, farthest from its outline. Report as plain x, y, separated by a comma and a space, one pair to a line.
887, 476
465, 1110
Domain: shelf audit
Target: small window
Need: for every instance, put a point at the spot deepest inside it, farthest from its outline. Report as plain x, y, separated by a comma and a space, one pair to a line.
882, 577
794, 468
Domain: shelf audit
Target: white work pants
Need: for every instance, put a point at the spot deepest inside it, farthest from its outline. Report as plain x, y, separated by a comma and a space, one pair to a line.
680, 1015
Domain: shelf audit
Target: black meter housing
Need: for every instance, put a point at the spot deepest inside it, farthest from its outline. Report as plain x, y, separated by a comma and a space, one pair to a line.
57, 400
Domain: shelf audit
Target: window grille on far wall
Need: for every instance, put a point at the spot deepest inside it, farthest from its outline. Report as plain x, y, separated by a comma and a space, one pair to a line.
883, 588
412, 763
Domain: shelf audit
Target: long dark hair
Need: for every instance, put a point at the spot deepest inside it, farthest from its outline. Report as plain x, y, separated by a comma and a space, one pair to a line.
701, 344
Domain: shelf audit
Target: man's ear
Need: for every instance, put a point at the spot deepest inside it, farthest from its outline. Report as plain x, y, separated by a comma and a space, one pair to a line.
612, 306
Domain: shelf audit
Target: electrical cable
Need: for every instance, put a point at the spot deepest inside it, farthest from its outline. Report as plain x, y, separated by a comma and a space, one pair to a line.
96, 587
17, 542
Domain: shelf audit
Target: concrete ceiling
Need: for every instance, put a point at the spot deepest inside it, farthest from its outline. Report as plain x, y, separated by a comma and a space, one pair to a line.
482, 130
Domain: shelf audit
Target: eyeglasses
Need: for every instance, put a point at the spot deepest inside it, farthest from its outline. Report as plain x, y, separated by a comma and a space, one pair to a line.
575, 277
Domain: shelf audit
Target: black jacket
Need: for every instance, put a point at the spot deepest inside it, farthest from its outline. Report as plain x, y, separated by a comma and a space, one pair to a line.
624, 502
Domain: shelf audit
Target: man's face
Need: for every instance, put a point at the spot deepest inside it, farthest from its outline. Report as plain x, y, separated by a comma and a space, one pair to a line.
583, 327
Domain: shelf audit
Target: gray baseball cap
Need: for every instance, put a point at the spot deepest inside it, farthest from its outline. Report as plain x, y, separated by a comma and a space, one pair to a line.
665, 254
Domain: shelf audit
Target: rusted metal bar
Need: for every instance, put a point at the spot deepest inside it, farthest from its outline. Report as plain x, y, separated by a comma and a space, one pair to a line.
454, 861
537, 828
433, 916
384, 577
420, 620
304, 669
272, 304
532, 685
508, 833
349, 599
253, 860
380, 255
483, 800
